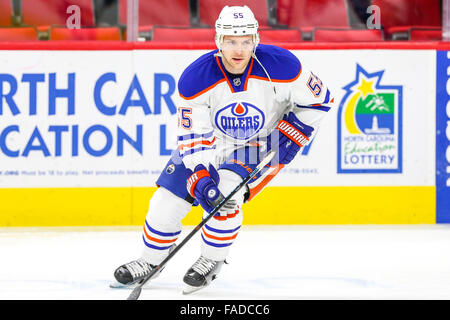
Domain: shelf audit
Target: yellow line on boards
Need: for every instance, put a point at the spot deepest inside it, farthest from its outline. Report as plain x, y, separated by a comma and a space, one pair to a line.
274, 205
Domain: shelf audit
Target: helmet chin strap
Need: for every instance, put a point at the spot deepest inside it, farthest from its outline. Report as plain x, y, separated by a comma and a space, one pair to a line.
218, 43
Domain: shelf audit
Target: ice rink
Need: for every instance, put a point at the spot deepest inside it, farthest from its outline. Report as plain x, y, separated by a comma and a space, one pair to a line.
266, 262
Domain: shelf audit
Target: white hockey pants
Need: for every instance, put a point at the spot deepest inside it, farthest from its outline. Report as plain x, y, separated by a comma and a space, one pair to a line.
163, 223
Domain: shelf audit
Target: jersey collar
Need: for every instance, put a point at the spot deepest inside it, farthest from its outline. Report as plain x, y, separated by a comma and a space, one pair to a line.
244, 77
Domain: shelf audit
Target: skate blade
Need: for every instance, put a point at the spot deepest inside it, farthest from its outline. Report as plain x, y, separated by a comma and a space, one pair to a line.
190, 289
118, 285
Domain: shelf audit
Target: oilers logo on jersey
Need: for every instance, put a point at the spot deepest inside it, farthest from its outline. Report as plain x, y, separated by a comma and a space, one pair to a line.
240, 120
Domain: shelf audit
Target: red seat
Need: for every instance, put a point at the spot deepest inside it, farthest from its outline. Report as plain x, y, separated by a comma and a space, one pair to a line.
183, 34
347, 35
157, 12
161, 34
109, 34
18, 34
46, 13
400, 15
422, 34
275, 35
5, 12
307, 14
209, 10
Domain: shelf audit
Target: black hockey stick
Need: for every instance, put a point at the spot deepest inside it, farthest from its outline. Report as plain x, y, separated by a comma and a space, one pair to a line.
137, 291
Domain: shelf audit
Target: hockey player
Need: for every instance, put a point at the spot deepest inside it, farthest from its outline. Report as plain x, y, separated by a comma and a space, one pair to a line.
238, 102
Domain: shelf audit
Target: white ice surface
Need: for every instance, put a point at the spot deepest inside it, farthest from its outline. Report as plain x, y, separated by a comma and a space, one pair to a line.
266, 262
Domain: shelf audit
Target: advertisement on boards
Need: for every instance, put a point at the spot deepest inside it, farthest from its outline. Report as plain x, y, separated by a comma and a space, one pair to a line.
109, 118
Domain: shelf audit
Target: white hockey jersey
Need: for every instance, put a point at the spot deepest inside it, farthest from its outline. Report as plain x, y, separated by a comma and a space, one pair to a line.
219, 114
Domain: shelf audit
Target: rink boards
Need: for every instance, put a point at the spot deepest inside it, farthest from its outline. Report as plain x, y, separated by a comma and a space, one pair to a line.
85, 132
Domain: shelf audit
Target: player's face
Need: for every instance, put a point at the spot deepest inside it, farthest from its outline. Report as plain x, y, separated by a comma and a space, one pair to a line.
236, 52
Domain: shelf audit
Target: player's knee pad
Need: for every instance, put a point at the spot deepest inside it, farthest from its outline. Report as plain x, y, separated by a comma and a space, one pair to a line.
166, 209
228, 182
163, 224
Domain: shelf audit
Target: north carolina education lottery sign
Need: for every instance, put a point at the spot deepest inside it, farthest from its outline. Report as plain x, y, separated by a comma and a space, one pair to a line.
370, 125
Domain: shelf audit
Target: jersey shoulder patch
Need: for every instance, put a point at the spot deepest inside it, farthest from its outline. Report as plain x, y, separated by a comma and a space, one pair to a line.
281, 64
199, 76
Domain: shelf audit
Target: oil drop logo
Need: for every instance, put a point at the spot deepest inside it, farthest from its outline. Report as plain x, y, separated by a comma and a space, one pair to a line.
370, 125
240, 120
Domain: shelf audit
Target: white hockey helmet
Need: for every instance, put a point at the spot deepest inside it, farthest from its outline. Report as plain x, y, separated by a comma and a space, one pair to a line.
236, 21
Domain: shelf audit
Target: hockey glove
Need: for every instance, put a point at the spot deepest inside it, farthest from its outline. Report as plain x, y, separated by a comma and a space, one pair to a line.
292, 135
202, 185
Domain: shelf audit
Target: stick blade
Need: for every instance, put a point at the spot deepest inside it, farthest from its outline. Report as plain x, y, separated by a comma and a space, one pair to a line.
135, 293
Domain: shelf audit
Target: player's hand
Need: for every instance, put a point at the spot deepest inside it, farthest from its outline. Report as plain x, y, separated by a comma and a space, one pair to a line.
202, 185
292, 134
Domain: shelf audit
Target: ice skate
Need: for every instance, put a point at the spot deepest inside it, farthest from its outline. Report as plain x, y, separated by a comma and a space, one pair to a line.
130, 274
200, 275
